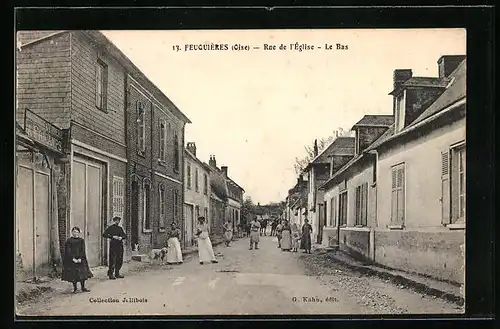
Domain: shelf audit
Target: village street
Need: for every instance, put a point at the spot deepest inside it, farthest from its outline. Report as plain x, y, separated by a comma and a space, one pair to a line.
264, 281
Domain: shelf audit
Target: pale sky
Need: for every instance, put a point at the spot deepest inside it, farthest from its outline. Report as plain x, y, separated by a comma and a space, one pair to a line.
255, 110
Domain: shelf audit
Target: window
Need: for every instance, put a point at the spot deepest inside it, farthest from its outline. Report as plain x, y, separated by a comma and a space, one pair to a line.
163, 141
176, 152
101, 84
161, 200
205, 184
361, 204
146, 219
188, 175
118, 197
400, 111
196, 183
141, 128
205, 213
458, 187
176, 205
333, 211
343, 209
398, 195
197, 211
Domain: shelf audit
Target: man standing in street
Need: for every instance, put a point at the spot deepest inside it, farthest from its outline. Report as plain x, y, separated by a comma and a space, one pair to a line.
116, 234
254, 233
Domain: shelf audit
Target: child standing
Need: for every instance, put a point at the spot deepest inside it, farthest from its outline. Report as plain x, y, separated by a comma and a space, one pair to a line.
75, 266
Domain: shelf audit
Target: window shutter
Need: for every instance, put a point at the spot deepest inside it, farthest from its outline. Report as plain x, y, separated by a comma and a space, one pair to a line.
401, 195
445, 187
394, 202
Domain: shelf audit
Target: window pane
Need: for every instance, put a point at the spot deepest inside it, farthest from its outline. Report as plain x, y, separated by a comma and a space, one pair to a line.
394, 206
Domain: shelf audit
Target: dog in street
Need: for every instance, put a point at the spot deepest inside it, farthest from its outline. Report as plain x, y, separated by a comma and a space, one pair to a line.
158, 255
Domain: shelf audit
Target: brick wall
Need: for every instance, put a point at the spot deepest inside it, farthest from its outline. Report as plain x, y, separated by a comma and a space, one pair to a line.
368, 135
43, 79
84, 56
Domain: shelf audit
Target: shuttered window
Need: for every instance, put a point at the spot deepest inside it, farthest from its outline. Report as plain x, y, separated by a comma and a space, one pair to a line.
163, 141
146, 224
333, 211
141, 128
343, 208
118, 196
458, 184
361, 204
161, 206
188, 175
196, 181
398, 195
101, 85
205, 184
175, 205
176, 152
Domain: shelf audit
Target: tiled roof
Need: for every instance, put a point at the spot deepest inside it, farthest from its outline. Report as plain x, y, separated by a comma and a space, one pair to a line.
376, 120
454, 92
341, 145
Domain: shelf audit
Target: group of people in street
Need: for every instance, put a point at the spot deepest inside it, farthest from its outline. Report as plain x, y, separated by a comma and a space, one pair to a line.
290, 239
76, 268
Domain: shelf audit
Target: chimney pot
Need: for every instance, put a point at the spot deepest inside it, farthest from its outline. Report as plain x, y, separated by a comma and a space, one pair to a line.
448, 63
224, 170
191, 146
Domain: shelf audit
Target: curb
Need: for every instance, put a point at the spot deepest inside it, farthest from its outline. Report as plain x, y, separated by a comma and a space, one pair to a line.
401, 280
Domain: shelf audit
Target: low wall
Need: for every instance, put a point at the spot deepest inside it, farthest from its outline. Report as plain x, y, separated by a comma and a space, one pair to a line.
355, 242
439, 254
329, 237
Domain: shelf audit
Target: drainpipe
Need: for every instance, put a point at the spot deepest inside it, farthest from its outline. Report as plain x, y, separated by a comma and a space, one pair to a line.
374, 153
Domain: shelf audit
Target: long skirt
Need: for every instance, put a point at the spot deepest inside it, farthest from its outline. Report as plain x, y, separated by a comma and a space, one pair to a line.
205, 250
76, 272
286, 240
228, 236
174, 253
254, 237
305, 242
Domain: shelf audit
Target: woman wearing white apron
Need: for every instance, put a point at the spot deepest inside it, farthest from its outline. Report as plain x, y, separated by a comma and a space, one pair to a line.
205, 250
174, 253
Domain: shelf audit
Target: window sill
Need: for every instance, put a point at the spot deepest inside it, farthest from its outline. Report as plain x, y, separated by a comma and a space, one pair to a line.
456, 226
146, 231
102, 109
162, 163
161, 230
357, 228
141, 154
395, 227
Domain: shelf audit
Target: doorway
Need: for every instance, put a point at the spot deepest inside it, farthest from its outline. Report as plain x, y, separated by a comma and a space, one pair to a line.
87, 203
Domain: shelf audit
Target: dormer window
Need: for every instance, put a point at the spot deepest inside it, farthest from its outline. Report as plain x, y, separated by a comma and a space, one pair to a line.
400, 111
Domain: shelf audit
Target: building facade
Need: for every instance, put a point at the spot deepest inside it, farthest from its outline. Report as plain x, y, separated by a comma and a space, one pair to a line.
401, 201
197, 193
84, 85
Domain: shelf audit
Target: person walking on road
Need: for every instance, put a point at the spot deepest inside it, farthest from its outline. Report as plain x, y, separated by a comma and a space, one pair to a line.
279, 229
228, 232
295, 237
286, 237
75, 265
174, 253
254, 233
205, 250
116, 235
305, 242
273, 227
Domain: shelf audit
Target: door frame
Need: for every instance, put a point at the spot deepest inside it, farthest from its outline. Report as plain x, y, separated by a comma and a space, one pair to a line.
86, 158
189, 243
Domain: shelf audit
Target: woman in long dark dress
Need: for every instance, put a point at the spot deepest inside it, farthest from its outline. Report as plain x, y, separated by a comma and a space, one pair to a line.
305, 242
75, 265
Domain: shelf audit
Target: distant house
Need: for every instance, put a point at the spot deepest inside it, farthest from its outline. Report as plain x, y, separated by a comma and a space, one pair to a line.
318, 171
196, 192
401, 201
294, 200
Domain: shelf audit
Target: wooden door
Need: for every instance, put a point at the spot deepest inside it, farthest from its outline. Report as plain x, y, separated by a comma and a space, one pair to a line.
25, 218
87, 206
189, 227
42, 219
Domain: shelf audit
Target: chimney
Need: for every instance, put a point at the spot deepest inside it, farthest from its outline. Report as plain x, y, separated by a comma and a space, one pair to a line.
191, 148
448, 64
224, 170
315, 148
401, 76
212, 162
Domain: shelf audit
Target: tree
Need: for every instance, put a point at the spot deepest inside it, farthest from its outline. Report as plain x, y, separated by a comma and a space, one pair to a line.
247, 209
302, 162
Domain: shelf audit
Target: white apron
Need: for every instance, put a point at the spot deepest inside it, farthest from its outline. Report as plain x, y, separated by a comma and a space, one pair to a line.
174, 253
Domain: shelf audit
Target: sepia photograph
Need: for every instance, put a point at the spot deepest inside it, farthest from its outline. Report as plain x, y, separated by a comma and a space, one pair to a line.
240, 172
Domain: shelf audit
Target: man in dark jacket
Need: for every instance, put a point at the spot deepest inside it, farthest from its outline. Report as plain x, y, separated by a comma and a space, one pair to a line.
116, 234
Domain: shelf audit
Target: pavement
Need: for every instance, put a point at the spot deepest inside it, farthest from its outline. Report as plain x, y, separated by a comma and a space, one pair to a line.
267, 281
